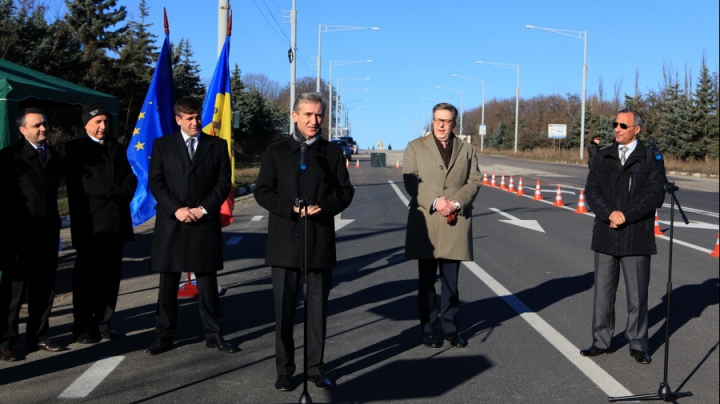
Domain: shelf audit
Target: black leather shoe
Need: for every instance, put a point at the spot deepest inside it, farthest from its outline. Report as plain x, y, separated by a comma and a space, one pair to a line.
283, 383
640, 356
222, 345
88, 338
595, 351
430, 341
7, 355
321, 382
456, 340
46, 345
158, 347
111, 334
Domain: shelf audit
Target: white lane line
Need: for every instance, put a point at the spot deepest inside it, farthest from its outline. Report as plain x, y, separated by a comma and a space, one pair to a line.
233, 241
693, 210
399, 193
595, 373
598, 375
256, 218
86, 383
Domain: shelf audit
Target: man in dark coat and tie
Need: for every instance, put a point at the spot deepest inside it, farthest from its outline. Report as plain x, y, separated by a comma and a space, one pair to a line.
30, 172
624, 187
328, 191
190, 178
100, 186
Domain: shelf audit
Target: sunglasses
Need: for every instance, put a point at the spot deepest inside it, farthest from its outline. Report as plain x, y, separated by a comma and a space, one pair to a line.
622, 125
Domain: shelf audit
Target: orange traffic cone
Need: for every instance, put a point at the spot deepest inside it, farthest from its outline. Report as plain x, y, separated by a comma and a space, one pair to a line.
538, 194
521, 190
658, 232
511, 188
492, 181
347, 163
485, 180
357, 163
581, 203
558, 198
397, 165
502, 182
716, 253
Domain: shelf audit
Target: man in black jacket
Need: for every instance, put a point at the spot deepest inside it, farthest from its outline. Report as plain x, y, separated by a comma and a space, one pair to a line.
100, 186
623, 188
328, 191
30, 172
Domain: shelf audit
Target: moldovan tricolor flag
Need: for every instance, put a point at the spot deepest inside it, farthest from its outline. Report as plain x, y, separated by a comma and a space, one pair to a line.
217, 119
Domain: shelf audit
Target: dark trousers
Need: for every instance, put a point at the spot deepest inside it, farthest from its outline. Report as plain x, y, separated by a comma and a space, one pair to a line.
285, 288
39, 286
96, 283
636, 273
427, 297
167, 306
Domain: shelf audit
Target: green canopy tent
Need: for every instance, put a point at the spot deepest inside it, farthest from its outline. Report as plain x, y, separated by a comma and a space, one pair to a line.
19, 84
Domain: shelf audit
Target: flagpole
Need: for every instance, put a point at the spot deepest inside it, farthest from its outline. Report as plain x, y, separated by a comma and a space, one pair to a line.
223, 7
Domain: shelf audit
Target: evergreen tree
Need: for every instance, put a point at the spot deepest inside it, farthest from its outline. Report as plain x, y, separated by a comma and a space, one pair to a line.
499, 138
89, 23
134, 69
186, 72
675, 132
705, 114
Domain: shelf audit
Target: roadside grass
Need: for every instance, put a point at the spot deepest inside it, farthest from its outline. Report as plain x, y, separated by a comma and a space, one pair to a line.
709, 167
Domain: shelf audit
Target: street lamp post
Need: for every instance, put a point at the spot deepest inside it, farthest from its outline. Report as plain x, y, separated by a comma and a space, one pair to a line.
337, 99
580, 35
482, 117
461, 106
330, 96
331, 28
517, 93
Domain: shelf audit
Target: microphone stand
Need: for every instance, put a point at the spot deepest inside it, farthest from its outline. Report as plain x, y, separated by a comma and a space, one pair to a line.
302, 203
664, 393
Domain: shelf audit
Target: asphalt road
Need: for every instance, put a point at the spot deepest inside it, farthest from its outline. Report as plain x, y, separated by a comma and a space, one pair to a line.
526, 310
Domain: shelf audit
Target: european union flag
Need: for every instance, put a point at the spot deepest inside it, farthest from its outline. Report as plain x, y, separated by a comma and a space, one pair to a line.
217, 119
156, 119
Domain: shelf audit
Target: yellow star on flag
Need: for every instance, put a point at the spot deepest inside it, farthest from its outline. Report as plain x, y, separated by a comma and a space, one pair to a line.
141, 116
139, 146
136, 131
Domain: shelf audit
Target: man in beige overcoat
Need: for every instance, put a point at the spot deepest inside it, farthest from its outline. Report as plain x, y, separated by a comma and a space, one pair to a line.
442, 177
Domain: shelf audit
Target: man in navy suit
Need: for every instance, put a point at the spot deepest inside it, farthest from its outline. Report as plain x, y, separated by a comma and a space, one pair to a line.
190, 178
30, 172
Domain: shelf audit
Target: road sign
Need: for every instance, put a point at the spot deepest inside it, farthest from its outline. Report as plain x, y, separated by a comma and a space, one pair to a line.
557, 131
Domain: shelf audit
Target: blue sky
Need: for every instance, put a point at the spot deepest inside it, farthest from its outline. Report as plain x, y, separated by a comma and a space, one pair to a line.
420, 44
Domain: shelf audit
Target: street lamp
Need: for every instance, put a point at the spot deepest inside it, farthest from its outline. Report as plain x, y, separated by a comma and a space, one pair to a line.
482, 119
580, 35
344, 111
461, 107
517, 92
330, 97
332, 28
337, 99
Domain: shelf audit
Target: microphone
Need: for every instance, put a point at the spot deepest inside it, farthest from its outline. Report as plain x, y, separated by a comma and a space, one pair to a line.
303, 156
654, 148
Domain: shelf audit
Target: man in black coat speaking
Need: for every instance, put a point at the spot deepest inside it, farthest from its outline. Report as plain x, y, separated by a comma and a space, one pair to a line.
328, 191
190, 178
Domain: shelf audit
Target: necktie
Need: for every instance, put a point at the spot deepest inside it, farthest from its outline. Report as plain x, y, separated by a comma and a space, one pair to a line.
622, 156
41, 150
191, 147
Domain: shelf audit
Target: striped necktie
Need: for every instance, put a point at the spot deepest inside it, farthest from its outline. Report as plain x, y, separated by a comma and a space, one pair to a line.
623, 150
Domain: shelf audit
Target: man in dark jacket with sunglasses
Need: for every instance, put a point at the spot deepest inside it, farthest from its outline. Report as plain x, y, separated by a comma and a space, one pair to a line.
624, 187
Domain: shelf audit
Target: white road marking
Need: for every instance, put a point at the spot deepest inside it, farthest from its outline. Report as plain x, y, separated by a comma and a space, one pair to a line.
594, 372
693, 225
340, 223
399, 193
86, 383
528, 224
693, 210
256, 218
233, 241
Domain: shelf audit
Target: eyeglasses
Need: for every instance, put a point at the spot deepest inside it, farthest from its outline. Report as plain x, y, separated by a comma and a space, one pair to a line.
445, 121
623, 126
